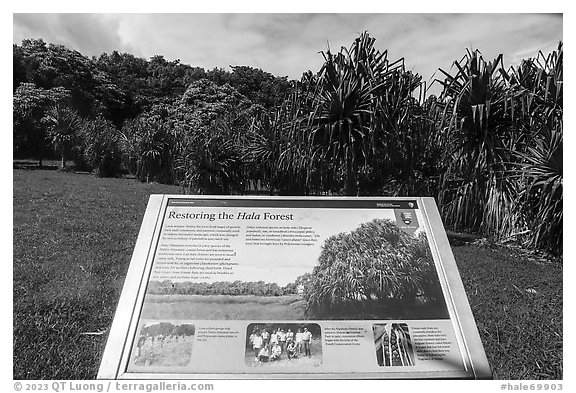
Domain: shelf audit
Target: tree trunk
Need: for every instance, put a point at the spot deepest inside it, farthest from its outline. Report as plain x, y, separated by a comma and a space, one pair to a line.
351, 187
63, 161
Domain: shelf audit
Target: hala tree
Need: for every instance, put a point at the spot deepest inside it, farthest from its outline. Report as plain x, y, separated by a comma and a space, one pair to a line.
63, 125
479, 135
538, 87
148, 146
377, 263
101, 146
275, 149
211, 163
343, 106
360, 96
406, 149
503, 133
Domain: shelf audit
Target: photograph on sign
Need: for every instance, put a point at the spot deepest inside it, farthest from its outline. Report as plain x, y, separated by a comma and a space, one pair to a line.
292, 345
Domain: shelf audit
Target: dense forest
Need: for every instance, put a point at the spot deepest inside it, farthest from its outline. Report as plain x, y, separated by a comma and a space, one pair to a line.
488, 147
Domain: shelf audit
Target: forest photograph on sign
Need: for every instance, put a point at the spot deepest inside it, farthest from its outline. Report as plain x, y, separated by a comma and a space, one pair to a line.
350, 264
317, 287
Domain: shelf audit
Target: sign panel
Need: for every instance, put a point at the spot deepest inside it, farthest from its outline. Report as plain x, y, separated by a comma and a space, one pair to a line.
270, 287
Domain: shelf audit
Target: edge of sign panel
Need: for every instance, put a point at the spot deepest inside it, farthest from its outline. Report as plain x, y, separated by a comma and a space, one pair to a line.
463, 317
131, 297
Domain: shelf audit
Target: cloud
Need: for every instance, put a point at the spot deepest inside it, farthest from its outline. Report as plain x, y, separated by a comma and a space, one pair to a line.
289, 44
90, 34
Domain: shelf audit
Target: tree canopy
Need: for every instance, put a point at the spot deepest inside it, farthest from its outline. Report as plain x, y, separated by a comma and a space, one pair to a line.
489, 147
375, 263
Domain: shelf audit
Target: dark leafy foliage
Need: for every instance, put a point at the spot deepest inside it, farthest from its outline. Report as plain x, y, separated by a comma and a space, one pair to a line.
30, 106
375, 265
503, 130
63, 127
489, 148
101, 147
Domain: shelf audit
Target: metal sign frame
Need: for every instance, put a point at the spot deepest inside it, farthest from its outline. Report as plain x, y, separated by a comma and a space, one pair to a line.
116, 357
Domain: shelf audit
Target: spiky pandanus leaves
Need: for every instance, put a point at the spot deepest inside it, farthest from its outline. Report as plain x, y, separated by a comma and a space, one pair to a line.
367, 122
504, 133
63, 127
211, 163
478, 134
377, 262
275, 148
149, 146
344, 118
408, 149
543, 197
101, 146
538, 84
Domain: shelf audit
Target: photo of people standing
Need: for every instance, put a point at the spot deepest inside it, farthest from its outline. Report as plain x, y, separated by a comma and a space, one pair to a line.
283, 344
162, 344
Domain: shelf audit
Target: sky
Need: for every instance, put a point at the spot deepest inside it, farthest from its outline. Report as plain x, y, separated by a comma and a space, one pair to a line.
288, 44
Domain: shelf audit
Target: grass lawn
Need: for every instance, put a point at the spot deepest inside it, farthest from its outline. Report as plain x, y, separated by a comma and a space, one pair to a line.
516, 299
263, 308
73, 239
257, 308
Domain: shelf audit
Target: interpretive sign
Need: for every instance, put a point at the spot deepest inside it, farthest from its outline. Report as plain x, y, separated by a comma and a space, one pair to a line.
309, 287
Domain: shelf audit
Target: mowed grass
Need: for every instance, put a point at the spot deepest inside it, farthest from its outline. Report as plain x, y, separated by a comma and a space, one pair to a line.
74, 236
262, 308
254, 308
516, 299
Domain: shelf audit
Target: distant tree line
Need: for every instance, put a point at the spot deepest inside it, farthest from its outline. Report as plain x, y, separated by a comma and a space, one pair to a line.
167, 329
52, 83
233, 288
488, 148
